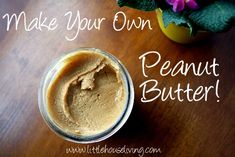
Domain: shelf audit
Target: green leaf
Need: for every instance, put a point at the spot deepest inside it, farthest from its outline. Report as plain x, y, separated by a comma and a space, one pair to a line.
180, 19
145, 5
216, 17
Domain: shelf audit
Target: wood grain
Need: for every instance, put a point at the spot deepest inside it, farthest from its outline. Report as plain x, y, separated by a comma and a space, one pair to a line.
196, 129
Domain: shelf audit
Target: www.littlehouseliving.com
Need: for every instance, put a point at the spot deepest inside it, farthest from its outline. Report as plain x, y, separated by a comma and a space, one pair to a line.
141, 151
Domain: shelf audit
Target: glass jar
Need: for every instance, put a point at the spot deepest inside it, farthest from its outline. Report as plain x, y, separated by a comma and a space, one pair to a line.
49, 76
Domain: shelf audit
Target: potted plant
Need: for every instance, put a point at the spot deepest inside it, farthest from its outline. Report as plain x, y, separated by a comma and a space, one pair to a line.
186, 21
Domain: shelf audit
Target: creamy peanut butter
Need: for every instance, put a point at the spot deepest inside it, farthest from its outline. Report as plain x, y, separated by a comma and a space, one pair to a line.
87, 96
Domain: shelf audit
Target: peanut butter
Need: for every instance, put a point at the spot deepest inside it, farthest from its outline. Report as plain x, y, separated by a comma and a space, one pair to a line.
87, 95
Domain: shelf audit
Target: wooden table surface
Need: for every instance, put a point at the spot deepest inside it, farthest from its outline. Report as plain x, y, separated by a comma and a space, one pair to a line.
180, 129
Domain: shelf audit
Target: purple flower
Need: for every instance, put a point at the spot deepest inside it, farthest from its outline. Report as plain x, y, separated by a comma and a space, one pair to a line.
179, 5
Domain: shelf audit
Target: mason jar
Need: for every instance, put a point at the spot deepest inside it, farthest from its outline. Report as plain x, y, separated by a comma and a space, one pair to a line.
50, 75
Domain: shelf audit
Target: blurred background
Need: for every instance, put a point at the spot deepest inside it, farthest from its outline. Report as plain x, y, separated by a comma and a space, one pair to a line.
179, 128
